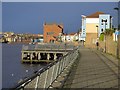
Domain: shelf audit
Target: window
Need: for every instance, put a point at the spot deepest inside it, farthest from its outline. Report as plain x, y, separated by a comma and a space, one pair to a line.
50, 33
102, 29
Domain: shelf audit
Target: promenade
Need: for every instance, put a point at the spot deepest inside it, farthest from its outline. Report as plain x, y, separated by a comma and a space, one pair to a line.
93, 69
82, 68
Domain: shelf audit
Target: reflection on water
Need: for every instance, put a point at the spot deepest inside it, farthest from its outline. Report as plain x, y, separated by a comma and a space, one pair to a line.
12, 68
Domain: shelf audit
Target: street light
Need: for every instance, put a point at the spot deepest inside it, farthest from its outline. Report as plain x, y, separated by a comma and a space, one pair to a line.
97, 38
105, 21
117, 53
97, 30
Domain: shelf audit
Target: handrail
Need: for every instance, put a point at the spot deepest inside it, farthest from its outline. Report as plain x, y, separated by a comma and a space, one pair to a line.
65, 59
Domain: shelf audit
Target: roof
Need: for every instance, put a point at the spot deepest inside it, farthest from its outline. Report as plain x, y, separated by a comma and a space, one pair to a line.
72, 33
59, 25
95, 15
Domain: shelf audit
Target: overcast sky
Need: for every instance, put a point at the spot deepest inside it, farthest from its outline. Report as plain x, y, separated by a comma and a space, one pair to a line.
29, 17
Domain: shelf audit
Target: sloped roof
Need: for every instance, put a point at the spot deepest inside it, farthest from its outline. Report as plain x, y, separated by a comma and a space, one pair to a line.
72, 33
59, 25
95, 15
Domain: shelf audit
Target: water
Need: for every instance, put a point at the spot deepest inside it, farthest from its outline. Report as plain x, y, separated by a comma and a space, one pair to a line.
12, 68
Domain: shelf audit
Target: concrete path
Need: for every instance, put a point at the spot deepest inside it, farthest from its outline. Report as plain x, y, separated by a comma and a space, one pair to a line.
93, 70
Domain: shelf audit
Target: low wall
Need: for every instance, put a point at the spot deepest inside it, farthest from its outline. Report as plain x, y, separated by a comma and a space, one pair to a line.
111, 46
90, 40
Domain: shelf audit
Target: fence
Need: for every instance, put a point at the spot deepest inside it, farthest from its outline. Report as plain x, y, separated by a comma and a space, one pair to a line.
48, 74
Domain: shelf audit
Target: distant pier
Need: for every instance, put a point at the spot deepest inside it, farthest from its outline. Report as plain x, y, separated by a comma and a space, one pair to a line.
44, 52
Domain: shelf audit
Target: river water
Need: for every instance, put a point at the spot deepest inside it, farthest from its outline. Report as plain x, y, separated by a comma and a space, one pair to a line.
12, 68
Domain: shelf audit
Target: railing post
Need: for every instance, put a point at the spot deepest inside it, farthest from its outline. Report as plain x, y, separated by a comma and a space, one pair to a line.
57, 70
52, 74
45, 79
36, 85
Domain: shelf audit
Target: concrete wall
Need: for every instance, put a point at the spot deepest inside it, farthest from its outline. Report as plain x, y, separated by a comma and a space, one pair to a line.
111, 46
91, 40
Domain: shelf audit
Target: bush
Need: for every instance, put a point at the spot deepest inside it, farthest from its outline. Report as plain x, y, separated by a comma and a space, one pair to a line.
101, 37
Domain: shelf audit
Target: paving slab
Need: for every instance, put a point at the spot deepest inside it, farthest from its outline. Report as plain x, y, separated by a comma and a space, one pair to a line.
92, 72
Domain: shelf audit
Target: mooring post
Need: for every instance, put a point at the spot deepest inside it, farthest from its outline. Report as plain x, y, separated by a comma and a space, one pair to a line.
31, 55
48, 56
36, 53
55, 57
39, 57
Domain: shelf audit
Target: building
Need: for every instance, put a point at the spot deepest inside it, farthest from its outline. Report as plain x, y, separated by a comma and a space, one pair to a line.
70, 37
105, 22
37, 38
93, 25
83, 32
51, 32
11, 38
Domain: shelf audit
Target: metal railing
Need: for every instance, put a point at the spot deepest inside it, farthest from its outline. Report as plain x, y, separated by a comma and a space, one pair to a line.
48, 74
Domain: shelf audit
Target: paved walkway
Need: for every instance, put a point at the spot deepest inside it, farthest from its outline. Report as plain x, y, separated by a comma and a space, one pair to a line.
93, 70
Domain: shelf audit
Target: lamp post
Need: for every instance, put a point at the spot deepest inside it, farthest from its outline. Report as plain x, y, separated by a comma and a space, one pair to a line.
117, 51
105, 21
97, 38
97, 30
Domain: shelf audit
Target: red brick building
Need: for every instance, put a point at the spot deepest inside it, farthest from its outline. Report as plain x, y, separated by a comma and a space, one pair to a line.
51, 32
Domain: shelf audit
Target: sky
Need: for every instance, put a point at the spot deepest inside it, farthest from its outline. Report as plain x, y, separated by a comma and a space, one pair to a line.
29, 17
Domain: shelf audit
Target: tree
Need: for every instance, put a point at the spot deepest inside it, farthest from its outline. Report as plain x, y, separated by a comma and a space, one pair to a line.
109, 31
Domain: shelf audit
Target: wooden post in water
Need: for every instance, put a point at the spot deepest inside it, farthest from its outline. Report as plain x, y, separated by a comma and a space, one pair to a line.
36, 55
39, 57
31, 55
55, 57
48, 56
22, 56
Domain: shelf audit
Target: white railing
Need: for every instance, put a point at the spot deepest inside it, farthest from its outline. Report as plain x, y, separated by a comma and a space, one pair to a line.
48, 74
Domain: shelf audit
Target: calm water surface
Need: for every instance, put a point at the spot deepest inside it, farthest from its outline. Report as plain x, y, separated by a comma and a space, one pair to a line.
12, 68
